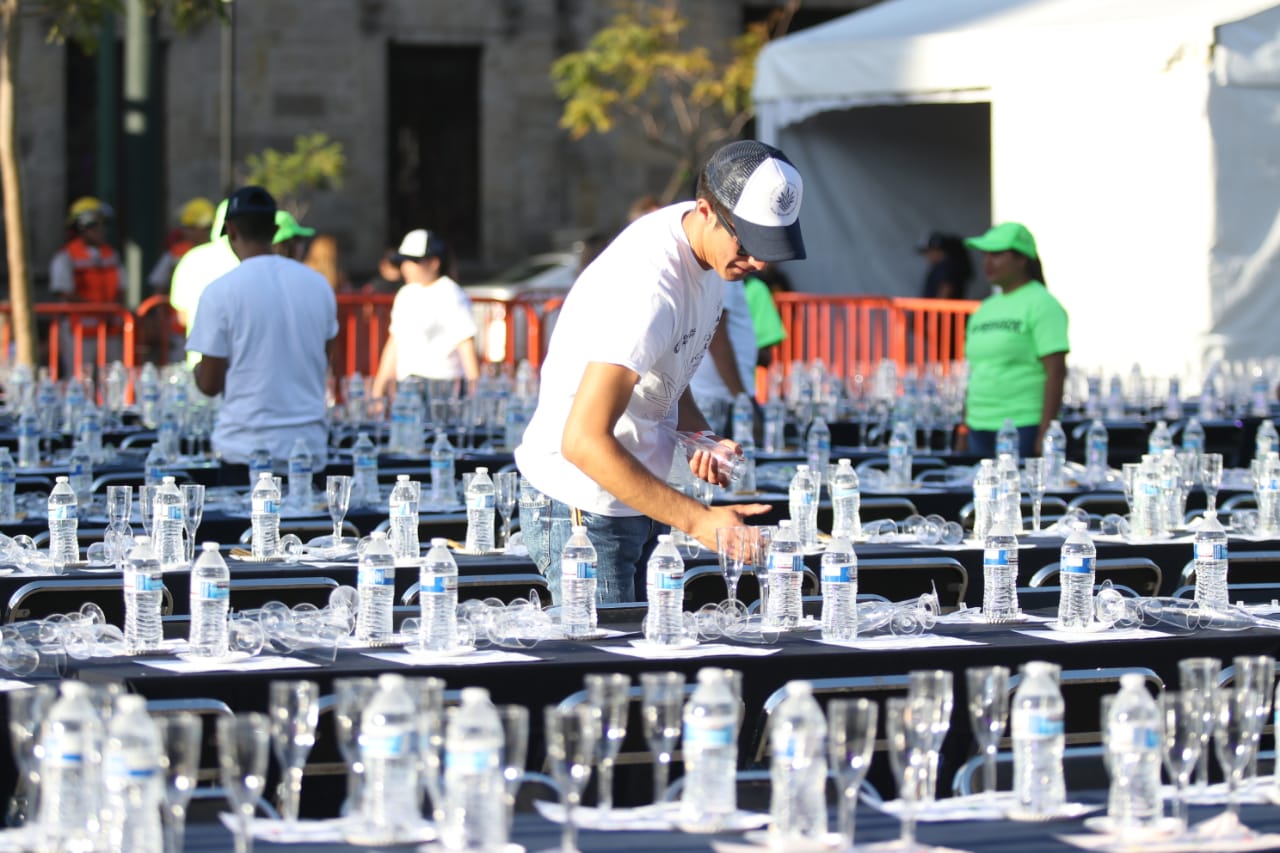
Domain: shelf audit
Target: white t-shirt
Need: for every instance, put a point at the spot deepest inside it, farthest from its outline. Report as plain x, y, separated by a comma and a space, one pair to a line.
645, 304
707, 384
428, 322
270, 318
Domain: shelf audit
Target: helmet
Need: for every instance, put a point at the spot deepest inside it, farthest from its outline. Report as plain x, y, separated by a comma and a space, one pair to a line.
86, 210
197, 213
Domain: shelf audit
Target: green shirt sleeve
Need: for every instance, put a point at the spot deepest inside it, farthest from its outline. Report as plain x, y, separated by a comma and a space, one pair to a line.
764, 314
1049, 327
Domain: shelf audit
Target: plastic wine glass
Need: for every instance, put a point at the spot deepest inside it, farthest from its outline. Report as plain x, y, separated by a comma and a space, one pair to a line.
1181, 716
192, 512
242, 760
571, 746
515, 747
337, 492
1035, 478
731, 545
935, 691
1129, 475
1211, 479
1200, 675
611, 695
989, 713
851, 738
145, 496
350, 695
1236, 731
180, 740
663, 696
506, 490
908, 729
295, 712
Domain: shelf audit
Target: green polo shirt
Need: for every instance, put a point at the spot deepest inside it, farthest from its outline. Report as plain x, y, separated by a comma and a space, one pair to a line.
764, 314
1006, 338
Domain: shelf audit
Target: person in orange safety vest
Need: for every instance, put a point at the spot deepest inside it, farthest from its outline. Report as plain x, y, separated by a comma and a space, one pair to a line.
86, 269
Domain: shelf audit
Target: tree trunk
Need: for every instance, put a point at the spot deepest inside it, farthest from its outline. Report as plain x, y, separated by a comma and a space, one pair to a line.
10, 175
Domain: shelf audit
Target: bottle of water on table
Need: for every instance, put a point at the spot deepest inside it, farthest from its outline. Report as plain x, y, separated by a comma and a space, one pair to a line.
300, 496
846, 501
839, 590
1000, 573
664, 625
143, 597
71, 740
480, 511
1134, 756
134, 785
578, 585
376, 586
1037, 729
1211, 563
8, 486
403, 508
710, 746
64, 546
210, 601
798, 768
1076, 574
265, 517
786, 578
364, 472
391, 799
474, 788
438, 599
167, 525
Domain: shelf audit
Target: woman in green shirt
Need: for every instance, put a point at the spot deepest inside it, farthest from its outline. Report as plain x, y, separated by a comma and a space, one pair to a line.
1016, 345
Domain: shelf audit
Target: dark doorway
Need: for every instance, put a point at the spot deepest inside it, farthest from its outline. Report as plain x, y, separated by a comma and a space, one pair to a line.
433, 157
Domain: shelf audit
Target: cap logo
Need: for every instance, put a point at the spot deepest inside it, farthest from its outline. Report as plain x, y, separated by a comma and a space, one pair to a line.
784, 201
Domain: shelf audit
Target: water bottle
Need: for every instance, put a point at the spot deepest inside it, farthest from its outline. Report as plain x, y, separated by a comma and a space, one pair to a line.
743, 420
786, 577
167, 434
901, 442
8, 486
1010, 500
1054, 451
149, 396
1000, 573
480, 500
388, 731
443, 471
846, 502
364, 472
403, 507
64, 546
113, 393
664, 625
578, 585
1096, 447
399, 438
747, 485
1173, 400
803, 497
156, 465
818, 446
986, 499
1160, 439
710, 746
70, 769
775, 426
133, 780
300, 476
1211, 563
80, 469
28, 439
48, 403
143, 594
1076, 574
18, 388
357, 412
1265, 439
1037, 730
265, 517
474, 788
89, 433
839, 590
1193, 438
259, 462
166, 525
1007, 440
1145, 522
376, 585
210, 601
1259, 393
72, 406
798, 768
1134, 737
438, 599
514, 421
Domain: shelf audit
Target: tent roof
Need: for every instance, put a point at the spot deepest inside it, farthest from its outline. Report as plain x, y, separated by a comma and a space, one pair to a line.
957, 50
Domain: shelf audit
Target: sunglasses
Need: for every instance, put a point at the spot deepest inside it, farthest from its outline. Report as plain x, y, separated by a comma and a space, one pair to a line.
742, 252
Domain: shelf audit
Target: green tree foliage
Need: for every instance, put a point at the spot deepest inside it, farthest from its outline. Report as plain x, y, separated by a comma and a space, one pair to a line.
686, 100
315, 163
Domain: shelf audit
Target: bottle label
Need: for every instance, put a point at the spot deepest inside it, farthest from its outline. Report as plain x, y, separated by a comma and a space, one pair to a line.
783, 562
131, 764
298, 468
840, 573
434, 583
897, 450
7, 478
480, 501
1211, 550
986, 492
439, 465
62, 749
265, 506
802, 496
172, 513
366, 460
136, 581
376, 576
214, 590
402, 509
469, 760
1036, 725
76, 469
581, 569
1077, 565
62, 512
707, 737
841, 492
384, 746
995, 558
669, 580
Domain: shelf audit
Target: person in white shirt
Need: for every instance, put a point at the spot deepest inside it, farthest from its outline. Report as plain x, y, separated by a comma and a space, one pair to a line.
730, 368
264, 330
614, 387
432, 331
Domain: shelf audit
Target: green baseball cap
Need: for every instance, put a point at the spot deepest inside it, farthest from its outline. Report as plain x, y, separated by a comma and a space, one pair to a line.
287, 228
1005, 237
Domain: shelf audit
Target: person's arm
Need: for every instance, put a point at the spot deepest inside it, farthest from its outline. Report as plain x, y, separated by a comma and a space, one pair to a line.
722, 356
470, 363
1055, 369
61, 277
211, 375
588, 443
386, 368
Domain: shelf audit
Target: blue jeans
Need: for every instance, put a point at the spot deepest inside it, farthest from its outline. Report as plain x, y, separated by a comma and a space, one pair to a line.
982, 442
623, 545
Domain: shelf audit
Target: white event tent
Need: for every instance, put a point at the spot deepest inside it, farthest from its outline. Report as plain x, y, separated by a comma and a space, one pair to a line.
1138, 139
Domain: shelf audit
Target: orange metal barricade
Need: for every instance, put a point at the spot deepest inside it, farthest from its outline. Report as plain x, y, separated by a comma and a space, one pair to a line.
70, 324
363, 321
158, 329
843, 331
927, 331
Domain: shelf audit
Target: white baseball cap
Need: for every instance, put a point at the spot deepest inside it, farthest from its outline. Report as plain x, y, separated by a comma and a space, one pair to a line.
762, 191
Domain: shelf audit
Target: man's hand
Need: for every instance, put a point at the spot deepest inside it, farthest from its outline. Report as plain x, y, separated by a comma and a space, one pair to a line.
716, 466
729, 515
